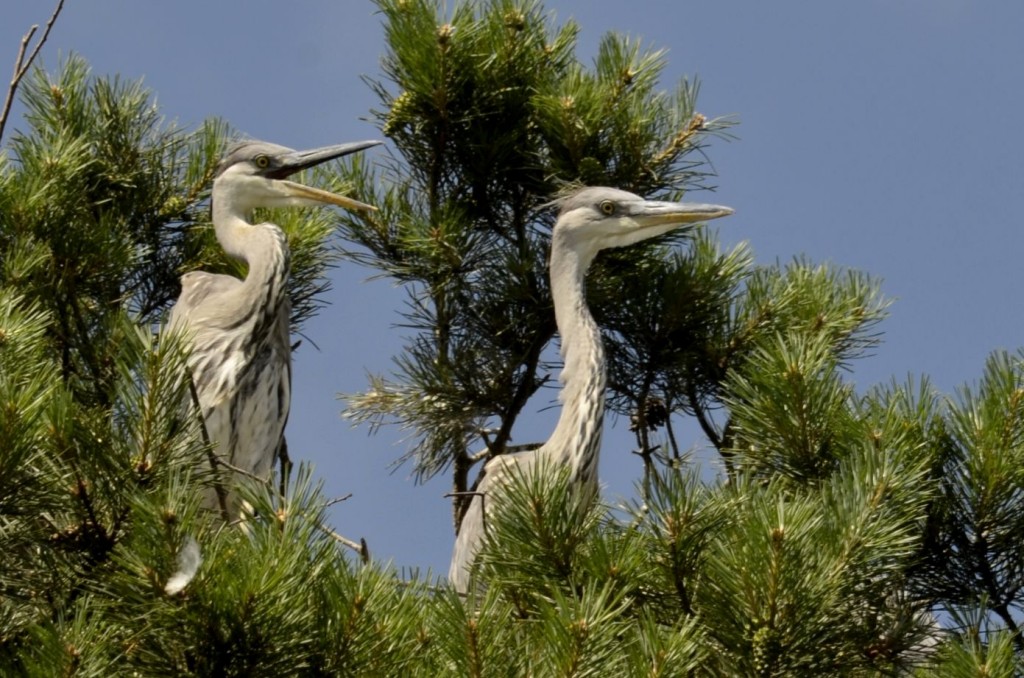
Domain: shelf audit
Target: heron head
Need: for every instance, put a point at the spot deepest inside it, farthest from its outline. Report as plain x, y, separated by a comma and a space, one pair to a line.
598, 218
255, 174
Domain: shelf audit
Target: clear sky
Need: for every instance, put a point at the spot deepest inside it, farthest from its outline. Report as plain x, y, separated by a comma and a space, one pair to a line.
883, 135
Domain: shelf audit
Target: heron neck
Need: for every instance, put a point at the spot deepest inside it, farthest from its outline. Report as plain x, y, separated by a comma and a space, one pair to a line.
577, 437
264, 249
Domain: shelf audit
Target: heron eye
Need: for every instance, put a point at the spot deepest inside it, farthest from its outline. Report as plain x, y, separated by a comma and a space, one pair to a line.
262, 161
608, 207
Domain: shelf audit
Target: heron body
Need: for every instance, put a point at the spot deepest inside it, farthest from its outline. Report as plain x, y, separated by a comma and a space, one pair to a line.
589, 220
239, 329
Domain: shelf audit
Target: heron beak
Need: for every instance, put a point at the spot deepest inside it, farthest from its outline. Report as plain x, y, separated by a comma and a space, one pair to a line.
300, 160
657, 213
309, 193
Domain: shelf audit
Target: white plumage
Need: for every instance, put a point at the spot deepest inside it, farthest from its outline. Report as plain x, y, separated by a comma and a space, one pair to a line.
239, 329
590, 220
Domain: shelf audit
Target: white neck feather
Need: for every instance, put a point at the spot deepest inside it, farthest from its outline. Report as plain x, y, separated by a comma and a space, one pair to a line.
577, 437
263, 247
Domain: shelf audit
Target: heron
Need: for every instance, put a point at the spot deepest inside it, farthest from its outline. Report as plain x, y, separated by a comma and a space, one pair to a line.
240, 359
589, 220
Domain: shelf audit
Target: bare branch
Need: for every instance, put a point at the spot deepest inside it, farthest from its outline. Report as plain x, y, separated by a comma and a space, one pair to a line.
21, 64
361, 548
338, 500
242, 472
463, 494
482, 454
706, 425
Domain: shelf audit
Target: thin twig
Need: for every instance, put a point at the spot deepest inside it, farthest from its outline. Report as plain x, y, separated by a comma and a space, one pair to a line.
82, 492
495, 447
361, 548
706, 425
21, 65
241, 471
507, 449
471, 494
338, 500
474, 458
485, 435
643, 435
672, 437
525, 447
430, 588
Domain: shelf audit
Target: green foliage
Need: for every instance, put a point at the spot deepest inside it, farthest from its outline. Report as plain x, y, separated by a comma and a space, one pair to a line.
677, 522
974, 546
569, 582
483, 143
105, 206
474, 640
102, 207
982, 649
853, 534
670, 347
818, 567
87, 482
97, 209
791, 409
968, 660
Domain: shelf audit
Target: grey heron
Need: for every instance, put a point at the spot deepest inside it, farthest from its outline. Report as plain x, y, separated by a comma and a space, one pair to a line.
241, 354
589, 220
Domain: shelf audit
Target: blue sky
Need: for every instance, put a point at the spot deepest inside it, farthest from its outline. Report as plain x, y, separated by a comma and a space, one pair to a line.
882, 135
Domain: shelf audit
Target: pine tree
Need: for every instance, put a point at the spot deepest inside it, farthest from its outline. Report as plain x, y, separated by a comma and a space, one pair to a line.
854, 534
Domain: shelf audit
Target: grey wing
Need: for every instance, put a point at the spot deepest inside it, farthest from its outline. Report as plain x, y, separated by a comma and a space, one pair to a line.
282, 341
196, 287
260, 401
213, 367
468, 541
474, 524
